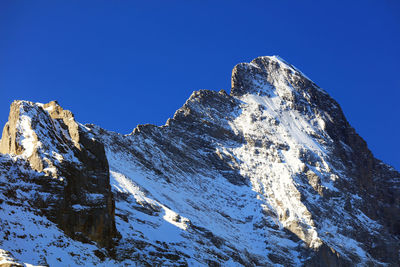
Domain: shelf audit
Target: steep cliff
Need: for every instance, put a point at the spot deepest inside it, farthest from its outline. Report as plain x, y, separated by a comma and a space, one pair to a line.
71, 165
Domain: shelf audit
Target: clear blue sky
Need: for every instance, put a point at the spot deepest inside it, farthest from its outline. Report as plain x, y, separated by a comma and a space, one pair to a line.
122, 63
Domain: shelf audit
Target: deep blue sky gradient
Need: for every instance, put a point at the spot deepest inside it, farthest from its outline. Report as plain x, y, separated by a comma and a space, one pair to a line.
122, 63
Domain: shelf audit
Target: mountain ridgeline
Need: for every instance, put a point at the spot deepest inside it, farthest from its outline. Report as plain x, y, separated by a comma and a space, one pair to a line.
271, 174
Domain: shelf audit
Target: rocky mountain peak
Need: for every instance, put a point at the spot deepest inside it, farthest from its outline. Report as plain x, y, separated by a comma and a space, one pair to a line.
275, 78
270, 174
34, 129
64, 152
267, 75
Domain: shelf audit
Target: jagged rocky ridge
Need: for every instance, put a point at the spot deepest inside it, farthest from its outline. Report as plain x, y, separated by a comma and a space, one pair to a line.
271, 174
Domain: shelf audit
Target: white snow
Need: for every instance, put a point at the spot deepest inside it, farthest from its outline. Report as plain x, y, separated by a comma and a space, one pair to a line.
29, 137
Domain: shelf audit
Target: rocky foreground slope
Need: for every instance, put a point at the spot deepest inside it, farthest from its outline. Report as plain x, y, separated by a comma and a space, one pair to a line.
271, 174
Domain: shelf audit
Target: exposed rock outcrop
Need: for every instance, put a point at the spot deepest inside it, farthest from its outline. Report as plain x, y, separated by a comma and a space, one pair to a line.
73, 163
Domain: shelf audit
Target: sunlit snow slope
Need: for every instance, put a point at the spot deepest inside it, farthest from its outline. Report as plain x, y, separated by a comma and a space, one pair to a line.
270, 174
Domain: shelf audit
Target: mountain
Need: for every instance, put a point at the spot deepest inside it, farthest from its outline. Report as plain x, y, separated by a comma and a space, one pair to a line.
271, 174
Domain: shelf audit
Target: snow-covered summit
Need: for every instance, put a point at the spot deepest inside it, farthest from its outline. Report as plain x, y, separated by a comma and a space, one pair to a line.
272, 71
271, 174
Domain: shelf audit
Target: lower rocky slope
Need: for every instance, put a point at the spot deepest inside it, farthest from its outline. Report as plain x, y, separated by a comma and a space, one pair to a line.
270, 174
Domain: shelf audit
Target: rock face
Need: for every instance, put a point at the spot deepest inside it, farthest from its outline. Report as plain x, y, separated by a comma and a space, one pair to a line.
270, 174
75, 164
